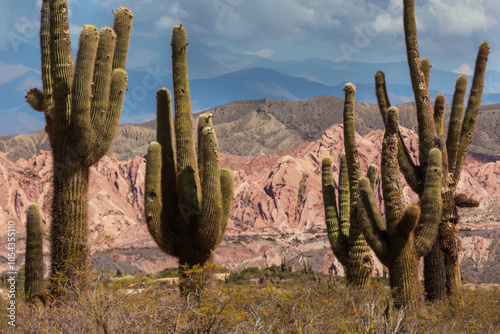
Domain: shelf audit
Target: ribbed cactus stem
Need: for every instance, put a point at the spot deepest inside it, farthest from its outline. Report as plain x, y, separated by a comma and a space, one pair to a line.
439, 105
82, 103
371, 174
408, 167
426, 67
344, 233
33, 283
360, 261
187, 169
332, 218
397, 243
455, 124
441, 265
188, 197
426, 127
472, 111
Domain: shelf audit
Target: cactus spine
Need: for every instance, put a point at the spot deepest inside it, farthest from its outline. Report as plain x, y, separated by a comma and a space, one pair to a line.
344, 232
409, 230
188, 198
82, 104
33, 283
441, 265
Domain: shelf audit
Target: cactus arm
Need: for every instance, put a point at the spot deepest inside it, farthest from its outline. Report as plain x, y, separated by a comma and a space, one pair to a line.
208, 229
122, 26
204, 120
391, 180
61, 64
334, 231
371, 220
344, 200
226, 183
470, 118
439, 105
409, 220
160, 223
108, 130
371, 174
82, 87
165, 137
187, 170
360, 261
351, 150
426, 127
33, 283
426, 67
406, 164
45, 54
463, 201
430, 204
455, 124
103, 70
34, 97
382, 96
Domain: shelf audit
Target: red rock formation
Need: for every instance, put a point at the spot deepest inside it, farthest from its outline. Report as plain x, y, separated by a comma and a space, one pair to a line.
277, 209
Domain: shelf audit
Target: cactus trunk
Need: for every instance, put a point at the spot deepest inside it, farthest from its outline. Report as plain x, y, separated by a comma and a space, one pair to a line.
403, 273
33, 283
69, 229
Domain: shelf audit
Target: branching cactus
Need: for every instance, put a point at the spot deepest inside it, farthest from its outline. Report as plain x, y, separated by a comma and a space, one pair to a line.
441, 265
409, 230
187, 198
33, 282
82, 103
344, 232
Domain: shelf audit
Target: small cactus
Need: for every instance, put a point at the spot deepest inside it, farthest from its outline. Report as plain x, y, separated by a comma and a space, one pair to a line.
33, 282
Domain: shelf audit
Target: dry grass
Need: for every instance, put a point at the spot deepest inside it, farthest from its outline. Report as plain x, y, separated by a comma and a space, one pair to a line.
292, 304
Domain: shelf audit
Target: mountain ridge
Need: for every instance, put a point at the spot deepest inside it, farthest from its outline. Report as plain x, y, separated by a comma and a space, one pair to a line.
257, 127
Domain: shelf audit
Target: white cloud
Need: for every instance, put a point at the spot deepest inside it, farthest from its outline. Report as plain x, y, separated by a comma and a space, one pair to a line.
30, 82
142, 57
11, 72
462, 17
464, 69
264, 53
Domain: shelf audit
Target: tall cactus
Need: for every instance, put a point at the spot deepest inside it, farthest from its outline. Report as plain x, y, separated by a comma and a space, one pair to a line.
344, 232
82, 104
410, 230
33, 282
441, 265
187, 198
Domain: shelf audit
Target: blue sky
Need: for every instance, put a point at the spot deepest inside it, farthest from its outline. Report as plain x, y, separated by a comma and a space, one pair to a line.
370, 31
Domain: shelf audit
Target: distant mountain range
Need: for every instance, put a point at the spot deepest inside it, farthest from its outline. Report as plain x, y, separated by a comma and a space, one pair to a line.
220, 76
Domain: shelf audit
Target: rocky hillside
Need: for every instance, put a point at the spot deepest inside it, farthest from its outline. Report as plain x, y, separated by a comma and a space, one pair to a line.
257, 127
277, 208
